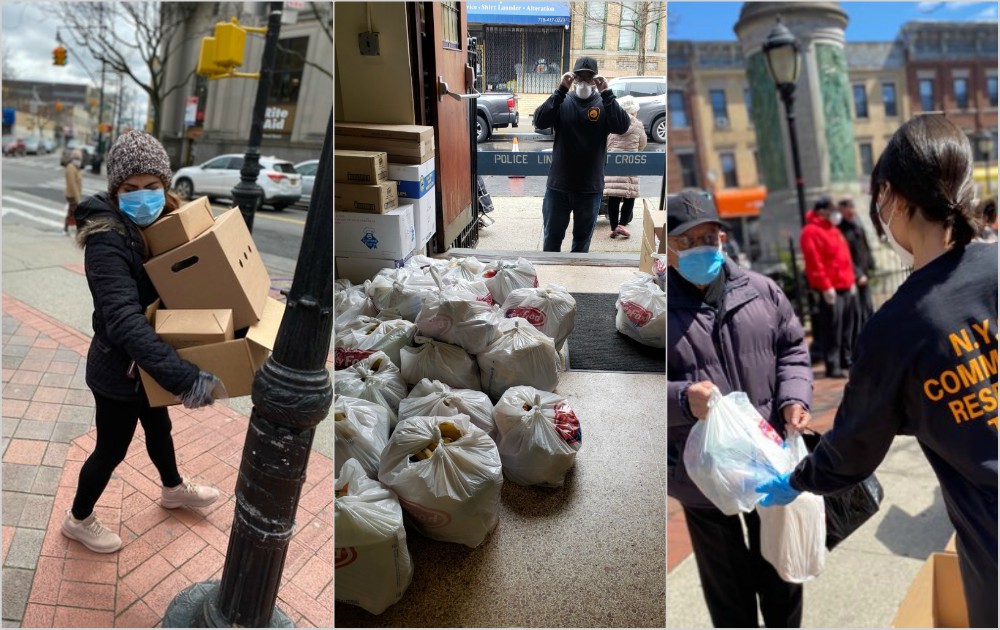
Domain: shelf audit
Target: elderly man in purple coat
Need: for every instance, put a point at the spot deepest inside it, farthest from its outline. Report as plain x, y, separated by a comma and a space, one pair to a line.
734, 329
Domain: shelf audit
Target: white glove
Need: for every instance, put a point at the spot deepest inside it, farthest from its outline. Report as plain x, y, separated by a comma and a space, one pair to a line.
830, 296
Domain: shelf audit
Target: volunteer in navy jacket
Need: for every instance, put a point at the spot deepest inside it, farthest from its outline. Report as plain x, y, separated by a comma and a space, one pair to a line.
581, 124
926, 362
734, 329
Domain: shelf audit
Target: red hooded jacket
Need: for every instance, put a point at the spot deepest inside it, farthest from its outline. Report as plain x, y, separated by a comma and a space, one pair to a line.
828, 257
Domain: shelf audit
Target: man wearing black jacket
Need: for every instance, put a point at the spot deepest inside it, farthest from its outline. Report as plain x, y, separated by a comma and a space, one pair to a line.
581, 125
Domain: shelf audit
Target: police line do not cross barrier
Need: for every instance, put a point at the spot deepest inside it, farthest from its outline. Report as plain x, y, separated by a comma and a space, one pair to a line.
537, 163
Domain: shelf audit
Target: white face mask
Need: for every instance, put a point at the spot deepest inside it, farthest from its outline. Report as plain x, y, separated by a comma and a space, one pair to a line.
905, 257
836, 218
583, 90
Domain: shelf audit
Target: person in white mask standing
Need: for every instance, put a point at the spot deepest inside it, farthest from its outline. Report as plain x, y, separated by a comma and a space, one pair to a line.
581, 124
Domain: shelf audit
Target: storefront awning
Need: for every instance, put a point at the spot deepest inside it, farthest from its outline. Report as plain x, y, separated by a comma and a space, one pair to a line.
550, 13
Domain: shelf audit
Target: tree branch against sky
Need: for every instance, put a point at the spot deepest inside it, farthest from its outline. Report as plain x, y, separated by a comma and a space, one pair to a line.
634, 17
325, 21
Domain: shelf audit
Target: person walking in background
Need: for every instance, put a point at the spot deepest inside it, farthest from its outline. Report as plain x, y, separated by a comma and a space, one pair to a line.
734, 329
74, 187
581, 124
622, 190
864, 263
830, 271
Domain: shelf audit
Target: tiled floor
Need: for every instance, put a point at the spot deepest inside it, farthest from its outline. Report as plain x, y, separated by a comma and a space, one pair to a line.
49, 581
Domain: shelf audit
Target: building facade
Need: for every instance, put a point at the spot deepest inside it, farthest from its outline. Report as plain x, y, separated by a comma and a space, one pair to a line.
51, 111
609, 32
206, 118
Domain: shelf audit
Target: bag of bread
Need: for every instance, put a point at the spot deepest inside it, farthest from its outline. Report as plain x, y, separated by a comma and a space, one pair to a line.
375, 379
361, 430
446, 473
440, 361
551, 310
520, 356
539, 436
364, 336
372, 564
350, 302
434, 398
642, 311
457, 316
502, 277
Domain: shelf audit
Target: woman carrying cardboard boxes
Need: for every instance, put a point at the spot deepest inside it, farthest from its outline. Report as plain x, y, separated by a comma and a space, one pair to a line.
114, 252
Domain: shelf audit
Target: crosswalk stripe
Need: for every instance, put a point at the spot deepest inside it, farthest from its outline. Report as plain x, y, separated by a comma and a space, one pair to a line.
19, 201
27, 215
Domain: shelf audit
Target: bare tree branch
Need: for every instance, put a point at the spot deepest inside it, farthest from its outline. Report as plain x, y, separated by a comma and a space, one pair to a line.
305, 61
325, 21
633, 17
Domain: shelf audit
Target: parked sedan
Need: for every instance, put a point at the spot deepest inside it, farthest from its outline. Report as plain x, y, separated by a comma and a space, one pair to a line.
217, 177
48, 145
32, 146
13, 146
307, 170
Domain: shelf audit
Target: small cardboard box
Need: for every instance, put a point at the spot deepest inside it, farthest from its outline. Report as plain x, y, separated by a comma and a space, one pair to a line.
654, 224
235, 362
360, 167
424, 217
935, 598
183, 328
405, 151
358, 269
221, 268
178, 227
413, 133
391, 235
413, 180
376, 198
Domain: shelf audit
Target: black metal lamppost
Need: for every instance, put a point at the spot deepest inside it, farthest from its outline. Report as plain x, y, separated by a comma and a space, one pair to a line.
984, 144
781, 51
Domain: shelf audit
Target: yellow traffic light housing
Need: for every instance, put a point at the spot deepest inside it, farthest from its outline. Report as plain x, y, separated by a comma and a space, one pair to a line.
59, 56
207, 65
230, 40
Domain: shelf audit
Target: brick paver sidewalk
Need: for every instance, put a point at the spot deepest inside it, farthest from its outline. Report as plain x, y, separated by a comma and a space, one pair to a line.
49, 581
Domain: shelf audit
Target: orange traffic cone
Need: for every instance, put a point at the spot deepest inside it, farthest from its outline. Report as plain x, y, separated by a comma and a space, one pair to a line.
514, 149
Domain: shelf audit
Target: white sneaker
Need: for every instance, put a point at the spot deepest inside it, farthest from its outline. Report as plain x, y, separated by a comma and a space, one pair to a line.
91, 533
188, 495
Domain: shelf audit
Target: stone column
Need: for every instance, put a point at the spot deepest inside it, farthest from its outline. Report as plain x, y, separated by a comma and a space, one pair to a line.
823, 110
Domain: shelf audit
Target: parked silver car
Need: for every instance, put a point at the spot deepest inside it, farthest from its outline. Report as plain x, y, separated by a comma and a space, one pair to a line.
308, 171
216, 178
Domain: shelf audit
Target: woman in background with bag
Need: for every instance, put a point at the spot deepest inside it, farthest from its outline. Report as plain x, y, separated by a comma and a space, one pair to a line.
926, 362
622, 190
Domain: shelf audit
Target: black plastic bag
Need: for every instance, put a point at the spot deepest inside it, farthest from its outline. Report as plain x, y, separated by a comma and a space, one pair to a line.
848, 510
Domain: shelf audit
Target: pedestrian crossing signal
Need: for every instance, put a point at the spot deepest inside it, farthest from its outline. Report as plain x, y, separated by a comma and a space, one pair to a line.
58, 56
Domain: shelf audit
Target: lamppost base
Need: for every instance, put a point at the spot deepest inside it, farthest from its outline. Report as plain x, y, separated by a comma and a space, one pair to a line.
195, 607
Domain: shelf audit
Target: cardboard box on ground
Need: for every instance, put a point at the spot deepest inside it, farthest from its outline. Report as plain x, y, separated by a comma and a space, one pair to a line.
653, 239
936, 598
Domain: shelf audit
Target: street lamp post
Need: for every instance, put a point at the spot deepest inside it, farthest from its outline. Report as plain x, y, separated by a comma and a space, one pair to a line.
984, 143
247, 194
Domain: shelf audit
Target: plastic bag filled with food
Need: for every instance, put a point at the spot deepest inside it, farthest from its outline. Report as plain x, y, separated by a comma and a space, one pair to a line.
520, 356
539, 436
366, 335
434, 398
457, 316
446, 472
372, 564
551, 310
350, 302
361, 431
502, 277
440, 361
401, 290
642, 311
467, 268
375, 379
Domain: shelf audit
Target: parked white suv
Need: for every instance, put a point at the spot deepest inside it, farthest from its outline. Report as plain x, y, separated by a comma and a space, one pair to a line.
217, 177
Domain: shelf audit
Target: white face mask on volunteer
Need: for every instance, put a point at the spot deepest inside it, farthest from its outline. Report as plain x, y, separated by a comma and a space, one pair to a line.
583, 90
905, 257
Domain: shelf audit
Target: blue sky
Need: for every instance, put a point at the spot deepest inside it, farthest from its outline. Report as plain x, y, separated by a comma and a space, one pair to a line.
868, 21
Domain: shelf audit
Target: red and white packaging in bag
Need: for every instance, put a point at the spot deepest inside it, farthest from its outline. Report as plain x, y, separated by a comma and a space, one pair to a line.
434, 398
372, 564
539, 436
375, 379
366, 335
361, 431
446, 472
642, 311
502, 277
520, 356
551, 310
440, 361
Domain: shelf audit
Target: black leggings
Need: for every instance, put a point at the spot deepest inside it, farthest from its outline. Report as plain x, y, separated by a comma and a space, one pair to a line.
116, 420
627, 204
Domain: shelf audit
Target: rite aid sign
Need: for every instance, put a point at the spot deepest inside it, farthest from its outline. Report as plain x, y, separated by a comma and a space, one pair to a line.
279, 119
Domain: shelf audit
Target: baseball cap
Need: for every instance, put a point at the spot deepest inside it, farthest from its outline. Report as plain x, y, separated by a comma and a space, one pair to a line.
585, 63
687, 210
823, 203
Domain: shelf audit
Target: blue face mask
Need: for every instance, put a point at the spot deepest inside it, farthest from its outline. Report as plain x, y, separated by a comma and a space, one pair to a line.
700, 265
142, 206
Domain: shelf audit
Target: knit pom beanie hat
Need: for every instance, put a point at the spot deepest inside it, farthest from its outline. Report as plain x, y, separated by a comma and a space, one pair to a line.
137, 153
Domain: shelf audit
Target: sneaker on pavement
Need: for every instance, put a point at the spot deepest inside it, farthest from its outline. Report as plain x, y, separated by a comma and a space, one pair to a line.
614, 234
188, 495
622, 231
91, 533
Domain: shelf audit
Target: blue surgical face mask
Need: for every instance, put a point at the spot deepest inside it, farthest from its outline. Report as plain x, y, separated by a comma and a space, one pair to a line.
142, 206
700, 265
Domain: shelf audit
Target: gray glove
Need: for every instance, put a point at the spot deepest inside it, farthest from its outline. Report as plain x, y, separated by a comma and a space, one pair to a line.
200, 393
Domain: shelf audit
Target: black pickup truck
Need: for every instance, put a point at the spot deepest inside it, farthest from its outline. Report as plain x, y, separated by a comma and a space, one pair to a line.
493, 111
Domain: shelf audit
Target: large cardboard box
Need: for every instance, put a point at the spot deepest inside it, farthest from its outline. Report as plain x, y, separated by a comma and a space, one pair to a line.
178, 227
413, 133
405, 151
358, 269
935, 598
413, 181
646, 256
235, 362
183, 328
377, 198
391, 235
424, 217
360, 167
221, 268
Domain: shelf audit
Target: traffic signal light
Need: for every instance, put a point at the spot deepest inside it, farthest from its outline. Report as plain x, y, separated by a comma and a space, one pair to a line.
223, 52
58, 56
58, 106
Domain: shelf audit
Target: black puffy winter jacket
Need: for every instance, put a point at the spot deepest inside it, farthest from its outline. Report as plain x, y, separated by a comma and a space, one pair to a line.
114, 252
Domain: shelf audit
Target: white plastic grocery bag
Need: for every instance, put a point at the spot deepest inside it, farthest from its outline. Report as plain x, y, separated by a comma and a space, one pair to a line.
551, 310
793, 536
502, 277
440, 361
467, 268
457, 316
446, 472
733, 451
642, 311
520, 356
350, 302
539, 436
375, 379
434, 398
401, 290
366, 335
361, 431
372, 563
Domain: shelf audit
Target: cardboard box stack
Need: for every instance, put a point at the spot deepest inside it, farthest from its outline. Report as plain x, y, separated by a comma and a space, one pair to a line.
214, 305
935, 598
654, 239
384, 191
